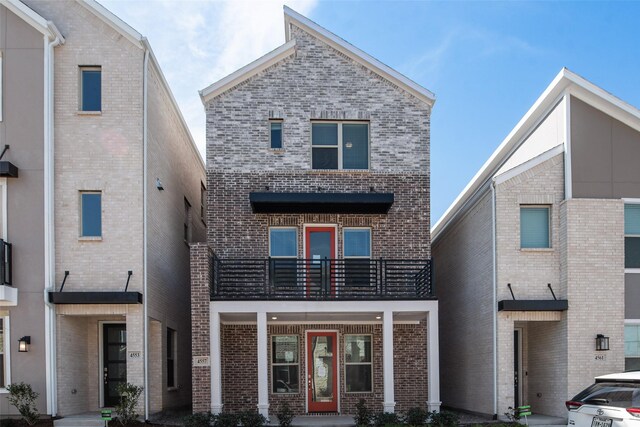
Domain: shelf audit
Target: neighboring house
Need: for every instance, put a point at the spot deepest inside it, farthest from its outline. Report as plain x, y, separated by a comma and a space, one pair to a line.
314, 287
102, 192
537, 259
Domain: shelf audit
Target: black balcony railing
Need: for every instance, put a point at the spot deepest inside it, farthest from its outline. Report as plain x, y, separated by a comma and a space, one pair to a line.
5, 263
326, 279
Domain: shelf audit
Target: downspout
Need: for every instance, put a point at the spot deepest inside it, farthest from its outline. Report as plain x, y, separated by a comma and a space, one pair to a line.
495, 299
145, 301
49, 222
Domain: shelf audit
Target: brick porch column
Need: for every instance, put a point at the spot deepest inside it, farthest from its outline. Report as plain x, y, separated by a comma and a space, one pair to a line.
200, 327
389, 402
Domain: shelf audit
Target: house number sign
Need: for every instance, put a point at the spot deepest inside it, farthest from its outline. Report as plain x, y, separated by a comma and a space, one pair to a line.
201, 361
134, 355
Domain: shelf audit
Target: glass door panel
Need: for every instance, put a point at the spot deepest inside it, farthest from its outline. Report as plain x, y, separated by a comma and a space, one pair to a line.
320, 248
322, 372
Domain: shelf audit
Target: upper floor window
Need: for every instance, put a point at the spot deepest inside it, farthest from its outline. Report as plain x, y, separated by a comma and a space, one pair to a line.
172, 372
632, 236
203, 202
342, 145
534, 227
91, 214
357, 254
90, 89
187, 221
276, 134
283, 246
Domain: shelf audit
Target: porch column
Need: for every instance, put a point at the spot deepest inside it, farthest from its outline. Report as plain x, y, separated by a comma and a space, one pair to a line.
263, 358
216, 364
433, 360
387, 357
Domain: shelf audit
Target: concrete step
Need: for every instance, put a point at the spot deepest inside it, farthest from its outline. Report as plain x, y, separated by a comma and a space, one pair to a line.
82, 420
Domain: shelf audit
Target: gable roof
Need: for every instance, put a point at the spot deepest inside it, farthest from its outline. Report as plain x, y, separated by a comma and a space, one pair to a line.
565, 83
287, 49
31, 17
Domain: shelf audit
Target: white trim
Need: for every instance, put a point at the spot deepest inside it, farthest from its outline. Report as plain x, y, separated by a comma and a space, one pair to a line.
101, 324
520, 331
529, 164
47, 28
568, 172
5, 188
433, 360
312, 306
145, 234
1, 85
247, 71
306, 364
345, 363
262, 350
113, 21
321, 322
494, 298
631, 270
632, 201
6, 339
388, 402
632, 321
293, 17
565, 82
272, 363
216, 360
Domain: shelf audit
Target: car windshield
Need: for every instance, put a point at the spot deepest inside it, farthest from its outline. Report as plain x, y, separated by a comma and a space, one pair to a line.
619, 394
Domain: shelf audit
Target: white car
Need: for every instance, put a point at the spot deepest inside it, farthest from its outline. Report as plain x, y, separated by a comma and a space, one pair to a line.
613, 401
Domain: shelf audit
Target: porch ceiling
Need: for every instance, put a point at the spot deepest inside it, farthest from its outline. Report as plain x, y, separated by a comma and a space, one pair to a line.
329, 317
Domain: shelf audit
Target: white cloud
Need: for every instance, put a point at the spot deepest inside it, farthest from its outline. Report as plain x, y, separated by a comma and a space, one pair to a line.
198, 42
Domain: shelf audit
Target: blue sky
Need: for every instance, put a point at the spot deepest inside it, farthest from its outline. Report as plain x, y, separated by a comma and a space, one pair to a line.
487, 62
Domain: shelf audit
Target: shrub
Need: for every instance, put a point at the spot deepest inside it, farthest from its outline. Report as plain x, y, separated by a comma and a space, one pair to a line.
416, 417
199, 419
225, 419
443, 419
383, 419
285, 415
23, 397
363, 414
252, 419
126, 407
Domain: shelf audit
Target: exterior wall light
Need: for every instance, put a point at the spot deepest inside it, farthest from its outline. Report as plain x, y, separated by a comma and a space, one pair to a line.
602, 342
23, 344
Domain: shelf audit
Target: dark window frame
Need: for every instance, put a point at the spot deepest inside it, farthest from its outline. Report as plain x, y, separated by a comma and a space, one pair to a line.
172, 359
85, 104
271, 140
340, 143
82, 214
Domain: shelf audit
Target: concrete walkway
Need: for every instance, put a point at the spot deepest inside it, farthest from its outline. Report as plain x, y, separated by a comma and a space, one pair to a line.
90, 419
318, 421
544, 420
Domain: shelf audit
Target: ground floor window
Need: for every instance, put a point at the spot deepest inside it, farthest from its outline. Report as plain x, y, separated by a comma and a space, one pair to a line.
632, 347
285, 364
358, 363
171, 357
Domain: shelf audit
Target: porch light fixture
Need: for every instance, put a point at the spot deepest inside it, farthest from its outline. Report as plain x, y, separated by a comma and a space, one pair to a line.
23, 344
274, 317
602, 342
378, 317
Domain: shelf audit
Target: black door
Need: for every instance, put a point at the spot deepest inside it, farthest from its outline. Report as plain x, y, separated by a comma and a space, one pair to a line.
114, 369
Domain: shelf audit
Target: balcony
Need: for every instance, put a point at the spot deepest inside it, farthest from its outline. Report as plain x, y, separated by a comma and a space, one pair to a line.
321, 280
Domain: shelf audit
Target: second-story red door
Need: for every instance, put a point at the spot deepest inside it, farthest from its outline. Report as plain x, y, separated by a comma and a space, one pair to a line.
320, 247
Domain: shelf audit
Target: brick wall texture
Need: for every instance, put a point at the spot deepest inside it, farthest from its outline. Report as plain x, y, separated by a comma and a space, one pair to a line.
201, 327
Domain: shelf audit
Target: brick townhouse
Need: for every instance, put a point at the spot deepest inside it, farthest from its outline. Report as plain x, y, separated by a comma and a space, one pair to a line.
314, 286
537, 260
101, 190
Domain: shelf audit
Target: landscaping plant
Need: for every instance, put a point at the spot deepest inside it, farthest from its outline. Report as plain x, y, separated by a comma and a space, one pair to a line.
416, 417
383, 419
126, 407
225, 419
252, 419
363, 414
199, 419
443, 419
285, 415
23, 397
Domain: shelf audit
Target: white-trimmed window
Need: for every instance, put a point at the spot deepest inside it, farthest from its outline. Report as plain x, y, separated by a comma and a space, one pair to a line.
358, 364
632, 347
535, 232
632, 235
285, 364
356, 243
4, 352
90, 214
172, 359
90, 88
340, 145
275, 134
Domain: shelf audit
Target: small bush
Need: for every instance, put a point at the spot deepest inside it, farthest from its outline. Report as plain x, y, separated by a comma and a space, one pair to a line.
443, 419
363, 414
416, 417
285, 415
383, 419
126, 407
23, 397
252, 419
199, 419
225, 419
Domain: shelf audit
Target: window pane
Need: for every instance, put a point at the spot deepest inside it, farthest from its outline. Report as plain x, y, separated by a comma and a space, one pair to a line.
632, 252
324, 158
285, 379
357, 348
632, 340
355, 146
283, 242
632, 219
632, 364
534, 227
324, 134
358, 378
276, 135
91, 215
284, 349
357, 242
91, 91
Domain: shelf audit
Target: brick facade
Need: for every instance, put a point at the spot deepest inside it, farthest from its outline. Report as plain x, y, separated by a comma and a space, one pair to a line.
200, 325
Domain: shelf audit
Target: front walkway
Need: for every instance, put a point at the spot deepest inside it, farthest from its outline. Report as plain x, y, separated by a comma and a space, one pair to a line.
318, 420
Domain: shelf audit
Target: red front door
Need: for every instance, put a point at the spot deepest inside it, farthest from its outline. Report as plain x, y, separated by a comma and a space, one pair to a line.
320, 246
322, 372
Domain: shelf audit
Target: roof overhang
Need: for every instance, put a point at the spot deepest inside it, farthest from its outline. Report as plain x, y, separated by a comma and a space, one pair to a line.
47, 28
8, 169
564, 84
533, 305
350, 203
95, 297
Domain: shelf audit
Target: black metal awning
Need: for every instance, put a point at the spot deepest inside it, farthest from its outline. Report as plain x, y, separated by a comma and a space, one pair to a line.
8, 169
533, 305
115, 297
355, 203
